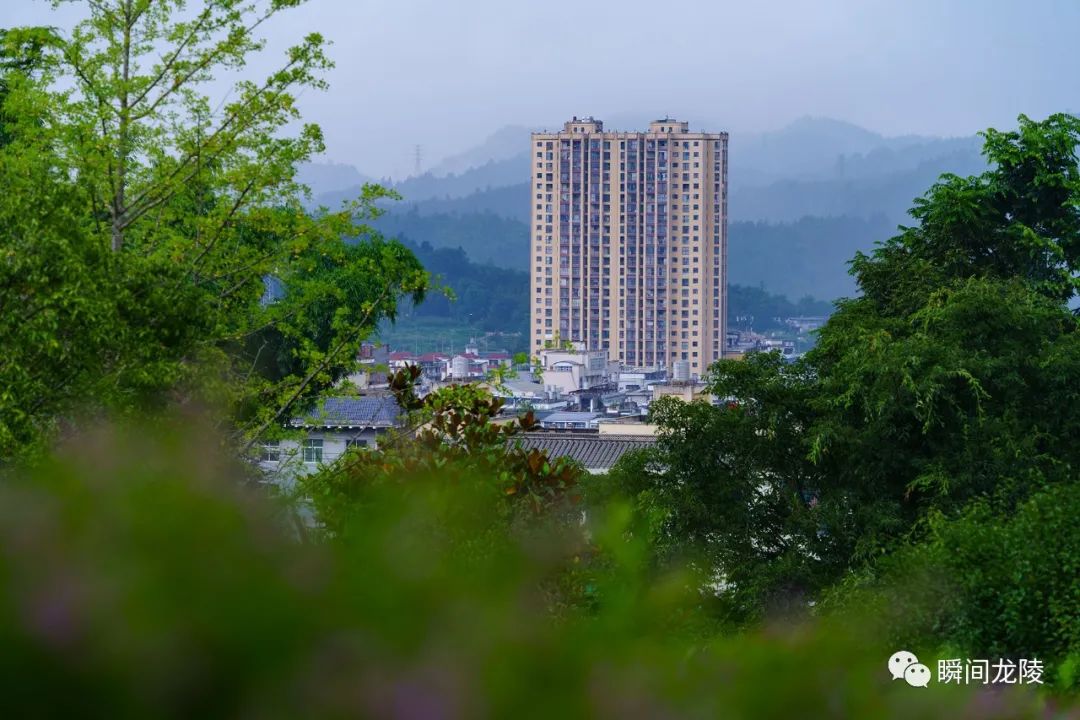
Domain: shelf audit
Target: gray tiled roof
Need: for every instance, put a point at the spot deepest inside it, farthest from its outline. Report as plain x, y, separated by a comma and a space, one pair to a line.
595, 452
374, 411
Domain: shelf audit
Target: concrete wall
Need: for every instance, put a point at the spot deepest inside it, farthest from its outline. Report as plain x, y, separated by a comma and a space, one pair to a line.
291, 462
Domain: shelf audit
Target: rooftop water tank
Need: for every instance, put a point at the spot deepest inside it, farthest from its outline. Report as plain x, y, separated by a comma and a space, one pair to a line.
459, 368
681, 371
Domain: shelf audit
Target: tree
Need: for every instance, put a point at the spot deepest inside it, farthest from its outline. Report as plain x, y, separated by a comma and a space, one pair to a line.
948, 382
186, 211
1020, 219
728, 486
450, 437
56, 318
146, 133
935, 385
984, 584
22, 59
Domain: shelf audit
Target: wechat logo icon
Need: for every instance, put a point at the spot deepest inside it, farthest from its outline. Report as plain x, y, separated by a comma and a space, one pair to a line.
904, 665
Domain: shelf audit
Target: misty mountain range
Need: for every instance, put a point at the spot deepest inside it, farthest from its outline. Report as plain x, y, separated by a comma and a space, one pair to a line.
802, 199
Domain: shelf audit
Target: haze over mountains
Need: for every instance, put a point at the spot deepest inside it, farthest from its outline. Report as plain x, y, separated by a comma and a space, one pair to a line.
802, 199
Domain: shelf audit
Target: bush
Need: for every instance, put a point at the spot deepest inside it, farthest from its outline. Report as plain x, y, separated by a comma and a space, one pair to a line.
137, 579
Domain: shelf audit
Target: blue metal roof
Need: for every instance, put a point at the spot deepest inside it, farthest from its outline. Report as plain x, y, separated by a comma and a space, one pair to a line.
372, 411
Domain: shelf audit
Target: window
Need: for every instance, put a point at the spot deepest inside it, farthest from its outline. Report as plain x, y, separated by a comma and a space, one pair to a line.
313, 451
271, 451
355, 443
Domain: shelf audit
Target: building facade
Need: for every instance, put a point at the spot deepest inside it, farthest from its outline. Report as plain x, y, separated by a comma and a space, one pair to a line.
629, 242
575, 368
326, 433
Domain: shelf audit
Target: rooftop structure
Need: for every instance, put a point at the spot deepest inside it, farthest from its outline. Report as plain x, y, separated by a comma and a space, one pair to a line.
352, 412
597, 453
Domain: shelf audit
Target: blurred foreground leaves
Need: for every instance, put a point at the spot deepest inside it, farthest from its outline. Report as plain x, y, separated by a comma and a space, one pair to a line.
139, 578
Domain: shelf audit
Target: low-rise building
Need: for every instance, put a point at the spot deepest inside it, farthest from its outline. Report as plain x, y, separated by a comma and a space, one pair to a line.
458, 367
806, 324
640, 378
627, 426
688, 391
741, 342
575, 368
526, 394
374, 366
570, 420
328, 431
596, 452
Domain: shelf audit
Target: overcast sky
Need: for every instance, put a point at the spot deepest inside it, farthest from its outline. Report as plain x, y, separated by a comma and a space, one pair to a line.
447, 73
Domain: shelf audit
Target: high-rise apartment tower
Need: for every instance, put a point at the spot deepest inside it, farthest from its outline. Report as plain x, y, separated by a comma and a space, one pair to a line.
628, 245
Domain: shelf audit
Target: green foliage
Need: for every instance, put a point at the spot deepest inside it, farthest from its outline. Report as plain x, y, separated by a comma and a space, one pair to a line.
144, 226
962, 399
941, 384
451, 436
24, 57
156, 252
1021, 219
141, 584
729, 486
484, 296
485, 238
55, 320
936, 409
558, 343
985, 585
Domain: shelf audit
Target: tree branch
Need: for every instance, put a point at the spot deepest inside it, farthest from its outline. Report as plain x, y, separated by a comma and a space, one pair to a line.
167, 65
319, 368
210, 57
185, 161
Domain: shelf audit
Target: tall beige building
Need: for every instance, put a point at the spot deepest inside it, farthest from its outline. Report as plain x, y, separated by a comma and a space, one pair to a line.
629, 242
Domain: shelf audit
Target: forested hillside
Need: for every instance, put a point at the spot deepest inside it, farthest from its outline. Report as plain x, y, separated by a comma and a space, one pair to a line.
485, 237
508, 201
428, 186
484, 296
816, 148
814, 166
806, 257
796, 259
848, 192
803, 199
855, 188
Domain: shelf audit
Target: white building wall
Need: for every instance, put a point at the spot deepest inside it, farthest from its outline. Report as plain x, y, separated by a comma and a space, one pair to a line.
291, 461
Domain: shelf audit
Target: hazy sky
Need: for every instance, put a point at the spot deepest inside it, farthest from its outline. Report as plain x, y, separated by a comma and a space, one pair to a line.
447, 73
